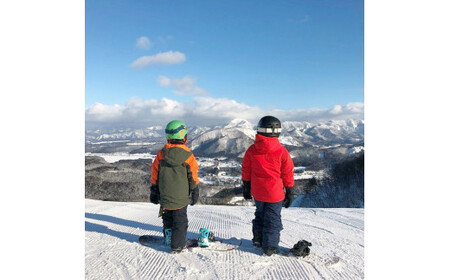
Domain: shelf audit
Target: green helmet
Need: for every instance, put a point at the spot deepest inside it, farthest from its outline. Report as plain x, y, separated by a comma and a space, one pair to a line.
176, 130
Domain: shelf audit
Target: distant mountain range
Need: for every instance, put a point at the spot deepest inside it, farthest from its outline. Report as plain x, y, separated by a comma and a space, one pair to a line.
236, 136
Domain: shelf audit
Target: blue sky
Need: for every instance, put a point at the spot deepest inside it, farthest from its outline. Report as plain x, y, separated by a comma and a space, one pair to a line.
266, 56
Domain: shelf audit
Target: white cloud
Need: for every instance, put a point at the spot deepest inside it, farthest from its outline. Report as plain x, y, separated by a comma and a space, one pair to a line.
205, 110
100, 112
166, 58
224, 109
143, 43
183, 86
336, 110
163, 81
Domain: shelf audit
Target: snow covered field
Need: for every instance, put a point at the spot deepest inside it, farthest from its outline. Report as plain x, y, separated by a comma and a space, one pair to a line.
203, 162
112, 252
114, 157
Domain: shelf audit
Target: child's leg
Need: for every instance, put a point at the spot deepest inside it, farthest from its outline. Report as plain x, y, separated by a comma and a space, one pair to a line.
258, 223
167, 217
179, 228
272, 224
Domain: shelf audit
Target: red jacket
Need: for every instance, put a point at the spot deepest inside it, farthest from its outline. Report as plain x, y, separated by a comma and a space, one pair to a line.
269, 167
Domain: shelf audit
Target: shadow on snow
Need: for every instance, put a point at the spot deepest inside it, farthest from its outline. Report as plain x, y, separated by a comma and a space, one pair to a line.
246, 245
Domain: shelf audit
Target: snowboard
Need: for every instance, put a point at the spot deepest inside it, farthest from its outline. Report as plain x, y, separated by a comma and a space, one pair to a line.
282, 251
223, 245
311, 258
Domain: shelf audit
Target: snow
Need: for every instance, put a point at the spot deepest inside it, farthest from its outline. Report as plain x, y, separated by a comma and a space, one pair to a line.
237, 200
220, 162
309, 175
112, 252
303, 176
299, 169
141, 143
288, 140
111, 142
114, 157
355, 150
240, 123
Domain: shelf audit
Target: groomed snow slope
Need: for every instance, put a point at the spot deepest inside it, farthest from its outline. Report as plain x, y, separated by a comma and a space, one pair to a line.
113, 228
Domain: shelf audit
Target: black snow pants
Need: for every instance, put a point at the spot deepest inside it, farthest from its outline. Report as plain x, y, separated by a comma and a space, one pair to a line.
177, 221
268, 222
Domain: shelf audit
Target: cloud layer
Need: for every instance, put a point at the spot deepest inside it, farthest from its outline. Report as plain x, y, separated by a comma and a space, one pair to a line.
165, 58
183, 86
204, 110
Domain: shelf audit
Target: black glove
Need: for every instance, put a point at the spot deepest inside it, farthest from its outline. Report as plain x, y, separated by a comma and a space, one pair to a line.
247, 190
301, 249
194, 196
154, 194
288, 197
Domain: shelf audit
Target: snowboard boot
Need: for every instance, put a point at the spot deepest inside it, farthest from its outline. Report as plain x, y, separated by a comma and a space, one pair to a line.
301, 249
177, 250
167, 236
269, 251
257, 238
203, 239
211, 237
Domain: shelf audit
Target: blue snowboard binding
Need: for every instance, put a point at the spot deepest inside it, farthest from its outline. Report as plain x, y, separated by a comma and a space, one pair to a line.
205, 237
167, 236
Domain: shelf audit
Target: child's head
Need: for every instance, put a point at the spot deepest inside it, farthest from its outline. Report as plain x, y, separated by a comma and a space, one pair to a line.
269, 126
176, 132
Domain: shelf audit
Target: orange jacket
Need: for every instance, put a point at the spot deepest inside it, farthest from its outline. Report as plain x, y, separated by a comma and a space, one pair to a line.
175, 171
191, 161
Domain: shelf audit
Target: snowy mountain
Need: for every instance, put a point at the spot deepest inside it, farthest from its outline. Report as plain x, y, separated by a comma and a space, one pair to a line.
128, 134
333, 132
112, 250
124, 134
236, 136
232, 139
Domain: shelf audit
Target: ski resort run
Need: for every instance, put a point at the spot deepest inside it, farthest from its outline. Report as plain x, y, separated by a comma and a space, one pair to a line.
112, 250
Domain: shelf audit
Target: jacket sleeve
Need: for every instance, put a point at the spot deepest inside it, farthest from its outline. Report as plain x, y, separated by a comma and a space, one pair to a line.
155, 167
246, 166
193, 165
287, 169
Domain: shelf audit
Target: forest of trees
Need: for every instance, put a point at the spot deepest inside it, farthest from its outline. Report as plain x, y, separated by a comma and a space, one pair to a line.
129, 180
342, 188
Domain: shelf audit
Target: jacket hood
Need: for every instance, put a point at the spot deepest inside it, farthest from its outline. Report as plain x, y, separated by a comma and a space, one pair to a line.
176, 154
265, 144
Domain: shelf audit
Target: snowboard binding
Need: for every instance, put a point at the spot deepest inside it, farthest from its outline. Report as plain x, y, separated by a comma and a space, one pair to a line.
167, 236
205, 237
301, 249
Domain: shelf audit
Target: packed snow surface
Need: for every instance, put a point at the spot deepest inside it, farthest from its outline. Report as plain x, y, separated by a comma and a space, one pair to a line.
113, 252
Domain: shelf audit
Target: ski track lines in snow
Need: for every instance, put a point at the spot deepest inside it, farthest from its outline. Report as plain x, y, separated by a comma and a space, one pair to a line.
113, 228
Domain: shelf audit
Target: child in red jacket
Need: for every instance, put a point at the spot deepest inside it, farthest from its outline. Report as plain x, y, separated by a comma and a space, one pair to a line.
267, 173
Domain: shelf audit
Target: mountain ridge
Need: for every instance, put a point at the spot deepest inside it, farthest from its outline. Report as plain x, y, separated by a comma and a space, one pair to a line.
234, 137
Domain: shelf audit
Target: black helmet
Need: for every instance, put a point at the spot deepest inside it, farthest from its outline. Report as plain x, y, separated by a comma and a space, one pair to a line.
269, 126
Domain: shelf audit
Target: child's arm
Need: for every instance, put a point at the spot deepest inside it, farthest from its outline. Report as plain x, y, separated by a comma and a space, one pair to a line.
155, 167
154, 189
192, 173
246, 167
287, 169
287, 175
193, 179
